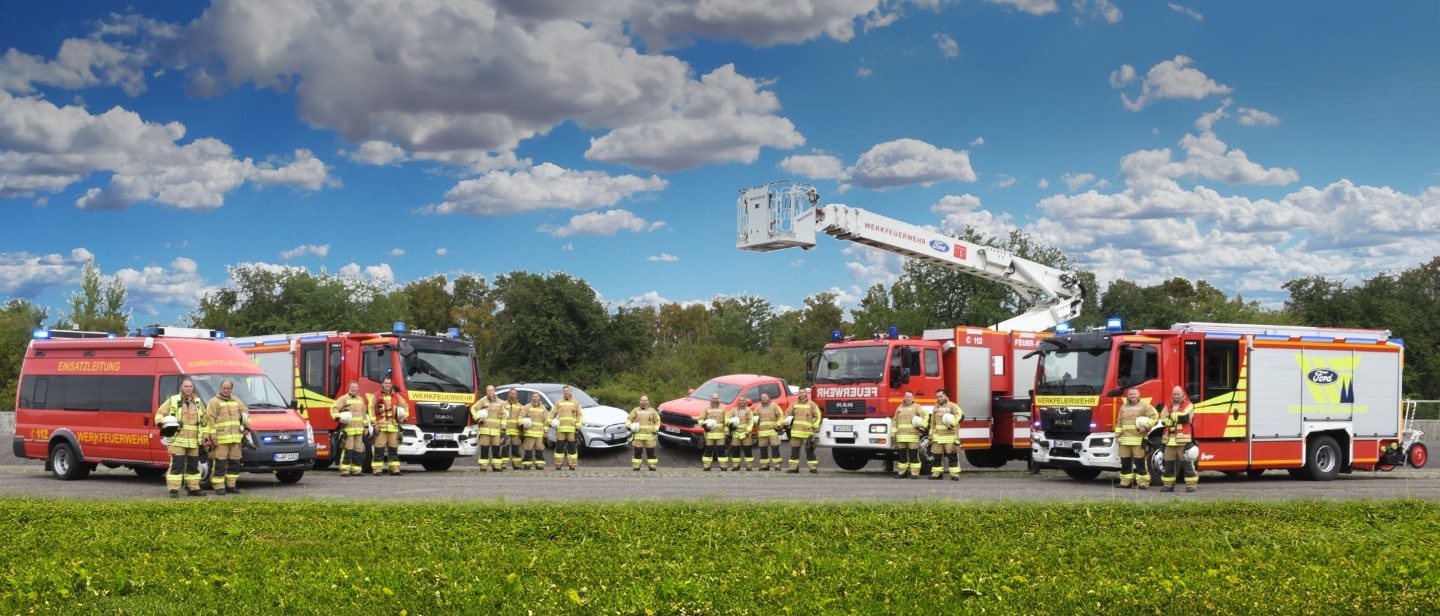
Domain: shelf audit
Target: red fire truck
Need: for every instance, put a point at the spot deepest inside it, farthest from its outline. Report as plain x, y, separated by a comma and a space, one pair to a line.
859, 382
1312, 401
87, 399
438, 375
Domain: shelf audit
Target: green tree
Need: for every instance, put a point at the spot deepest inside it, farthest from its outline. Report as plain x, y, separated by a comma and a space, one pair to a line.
473, 310
94, 308
265, 300
740, 322
549, 329
18, 321
429, 305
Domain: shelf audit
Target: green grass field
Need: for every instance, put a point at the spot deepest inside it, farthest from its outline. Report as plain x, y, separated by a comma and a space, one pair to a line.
247, 557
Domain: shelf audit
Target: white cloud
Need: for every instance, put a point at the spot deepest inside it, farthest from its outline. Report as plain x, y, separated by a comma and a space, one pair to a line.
663, 257
1256, 117
1005, 181
1074, 181
440, 252
305, 250
568, 246
114, 55
1044, 183
649, 298
397, 252
978, 141
863, 72
544, 186
379, 274
1122, 76
762, 24
1206, 157
948, 47
1031, 7
604, 223
178, 285
1171, 79
45, 148
814, 166
1098, 8
376, 152
964, 211
904, 162
1186, 11
27, 275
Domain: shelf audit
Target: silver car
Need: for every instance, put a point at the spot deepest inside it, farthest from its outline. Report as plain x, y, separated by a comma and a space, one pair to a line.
604, 426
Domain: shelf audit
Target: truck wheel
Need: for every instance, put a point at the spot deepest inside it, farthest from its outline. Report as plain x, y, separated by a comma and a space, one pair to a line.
1255, 473
66, 464
849, 460
437, 464
1419, 455
1082, 473
1322, 459
148, 471
321, 465
289, 476
987, 458
1157, 467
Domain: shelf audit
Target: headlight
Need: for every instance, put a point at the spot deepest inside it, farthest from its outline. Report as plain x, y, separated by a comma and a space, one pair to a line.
1103, 442
309, 433
879, 429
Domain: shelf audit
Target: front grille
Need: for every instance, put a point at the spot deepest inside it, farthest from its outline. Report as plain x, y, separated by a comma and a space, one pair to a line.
834, 408
671, 418
440, 416
1059, 421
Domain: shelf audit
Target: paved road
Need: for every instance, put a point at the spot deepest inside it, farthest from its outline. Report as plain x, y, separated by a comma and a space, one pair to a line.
606, 476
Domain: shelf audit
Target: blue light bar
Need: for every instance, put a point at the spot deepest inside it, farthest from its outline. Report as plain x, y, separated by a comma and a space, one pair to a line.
219, 334
305, 339
1113, 324
893, 332
398, 327
836, 335
41, 334
1062, 328
453, 332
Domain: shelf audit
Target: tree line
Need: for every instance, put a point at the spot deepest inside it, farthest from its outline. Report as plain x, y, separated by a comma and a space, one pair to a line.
551, 326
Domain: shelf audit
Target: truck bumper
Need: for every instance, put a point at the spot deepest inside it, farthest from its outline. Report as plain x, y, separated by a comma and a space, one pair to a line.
1096, 450
869, 433
417, 444
680, 437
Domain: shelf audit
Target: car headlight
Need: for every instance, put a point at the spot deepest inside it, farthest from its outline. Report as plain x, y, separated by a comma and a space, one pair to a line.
1104, 442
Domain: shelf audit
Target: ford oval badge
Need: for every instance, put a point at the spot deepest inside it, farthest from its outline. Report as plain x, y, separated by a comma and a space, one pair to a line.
939, 246
1323, 376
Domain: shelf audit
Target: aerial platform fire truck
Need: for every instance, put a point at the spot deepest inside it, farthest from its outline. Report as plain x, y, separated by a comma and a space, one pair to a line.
437, 375
1312, 401
860, 382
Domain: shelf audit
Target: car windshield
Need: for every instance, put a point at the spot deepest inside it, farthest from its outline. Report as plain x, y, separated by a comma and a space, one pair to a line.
436, 370
580, 396
727, 391
865, 364
1072, 372
255, 390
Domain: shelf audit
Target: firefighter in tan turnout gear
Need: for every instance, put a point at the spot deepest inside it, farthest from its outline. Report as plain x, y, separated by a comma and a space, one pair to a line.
386, 414
489, 416
228, 419
182, 417
1133, 423
566, 418
803, 419
349, 412
644, 422
512, 441
532, 425
944, 428
768, 415
905, 429
712, 419
1179, 423
741, 420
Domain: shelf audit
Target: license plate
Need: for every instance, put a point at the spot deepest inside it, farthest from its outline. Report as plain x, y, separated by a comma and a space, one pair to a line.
843, 429
287, 457
1063, 444
670, 429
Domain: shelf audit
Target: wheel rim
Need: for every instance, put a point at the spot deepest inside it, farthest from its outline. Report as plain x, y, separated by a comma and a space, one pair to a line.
1325, 459
62, 461
1419, 455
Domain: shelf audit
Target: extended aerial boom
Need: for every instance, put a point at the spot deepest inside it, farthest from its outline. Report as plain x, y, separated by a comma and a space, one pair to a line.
786, 214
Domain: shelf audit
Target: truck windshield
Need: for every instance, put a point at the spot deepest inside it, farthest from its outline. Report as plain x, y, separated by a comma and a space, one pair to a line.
437, 370
1066, 371
255, 390
865, 364
727, 391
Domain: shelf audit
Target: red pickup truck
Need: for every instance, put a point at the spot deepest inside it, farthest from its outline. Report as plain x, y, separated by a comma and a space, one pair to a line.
679, 423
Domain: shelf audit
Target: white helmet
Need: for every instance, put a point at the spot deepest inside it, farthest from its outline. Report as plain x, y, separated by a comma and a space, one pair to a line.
709, 424
789, 421
1192, 453
948, 419
555, 423
345, 417
169, 426
734, 421
482, 414
1143, 423
917, 421
525, 422
402, 414
634, 426
755, 420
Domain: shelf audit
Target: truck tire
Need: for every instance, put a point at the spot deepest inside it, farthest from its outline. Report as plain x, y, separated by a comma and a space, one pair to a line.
321, 465
987, 458
289, 476
1156, 466
437, 463
148, 471
66, 464
1082, 473
1322, 459
849, 460
1419, 455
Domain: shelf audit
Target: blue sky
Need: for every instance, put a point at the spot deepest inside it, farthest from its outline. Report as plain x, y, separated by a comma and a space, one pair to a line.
1243, 143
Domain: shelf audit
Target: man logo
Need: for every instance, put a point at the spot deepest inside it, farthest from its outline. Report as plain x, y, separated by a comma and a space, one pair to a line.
939, 246
1323, 376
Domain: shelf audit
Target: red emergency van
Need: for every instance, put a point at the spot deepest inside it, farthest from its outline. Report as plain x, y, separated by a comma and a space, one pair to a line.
87, 399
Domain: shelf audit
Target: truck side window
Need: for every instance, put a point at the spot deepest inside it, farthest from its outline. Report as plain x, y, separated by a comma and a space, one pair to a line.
771, 389
1192, 369
82, 393
932, 362
128, 393
376, 364
312, 368
35, 392
1222, 367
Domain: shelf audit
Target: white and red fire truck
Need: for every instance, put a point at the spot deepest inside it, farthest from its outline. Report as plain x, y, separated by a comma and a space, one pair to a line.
1312, 401
860, 382
438, 375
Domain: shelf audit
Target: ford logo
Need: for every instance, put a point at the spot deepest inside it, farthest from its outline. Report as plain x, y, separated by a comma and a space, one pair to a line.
939, 246
1323, 376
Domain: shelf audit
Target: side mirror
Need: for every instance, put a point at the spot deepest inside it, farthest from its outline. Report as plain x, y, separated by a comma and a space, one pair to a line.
1115, 393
